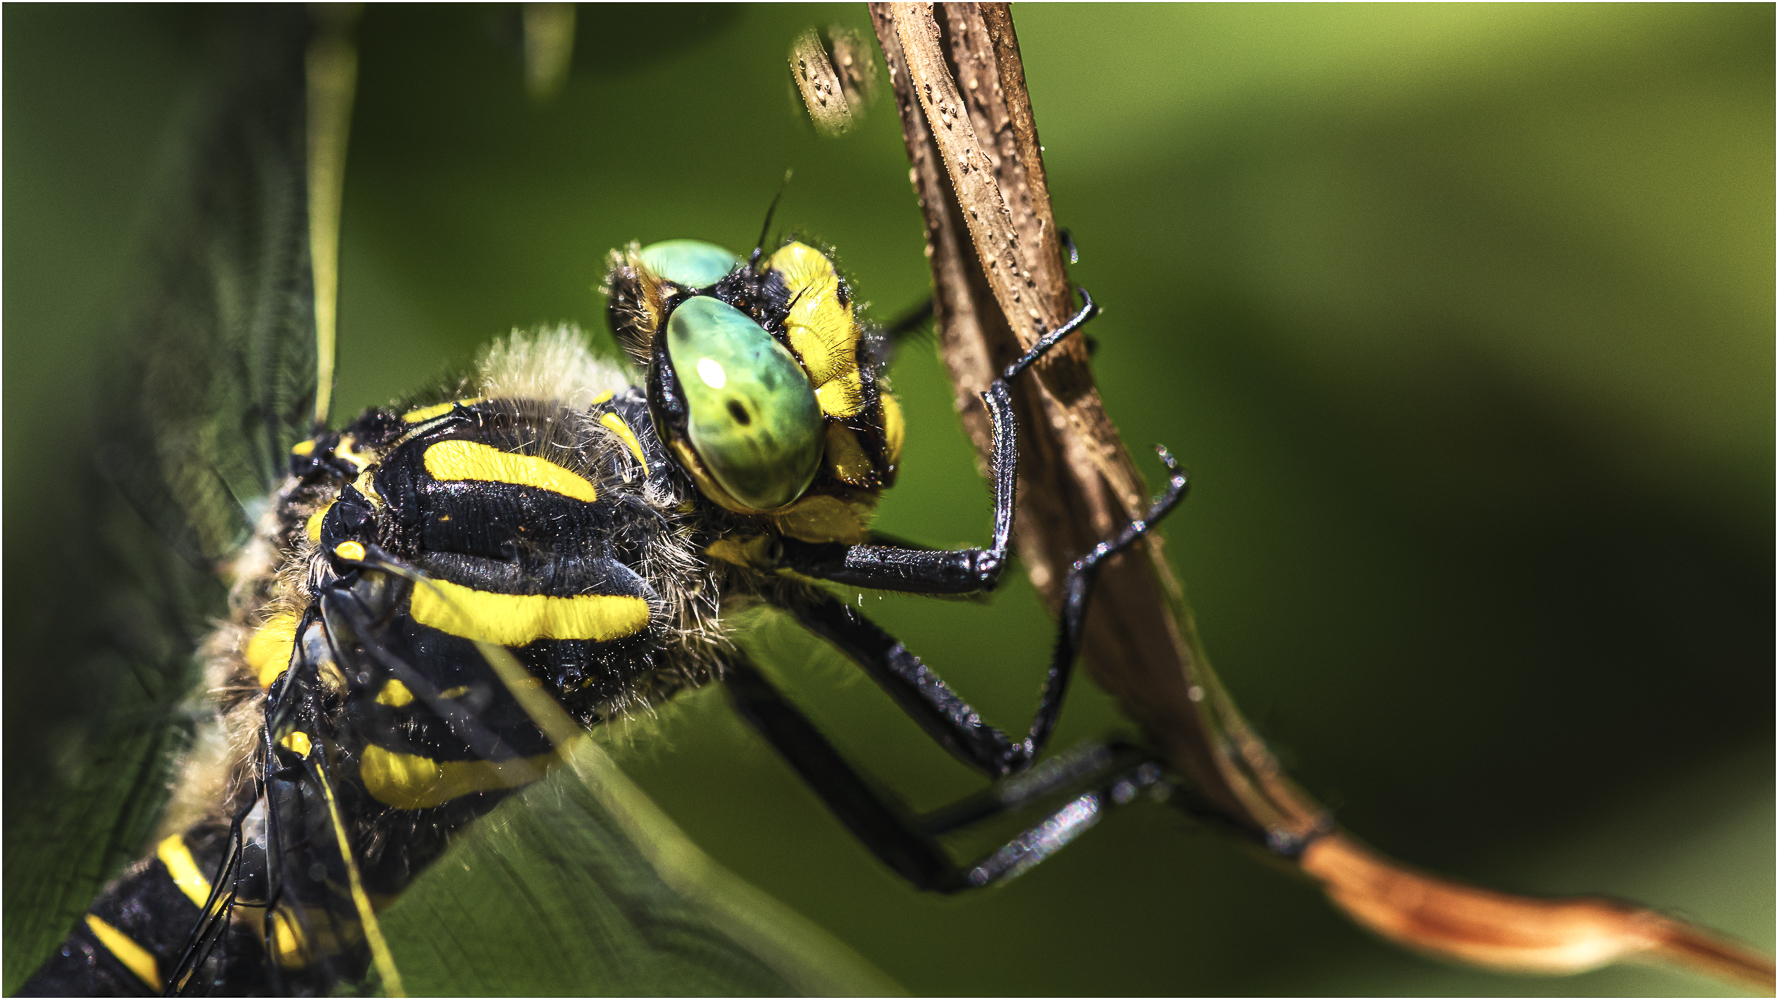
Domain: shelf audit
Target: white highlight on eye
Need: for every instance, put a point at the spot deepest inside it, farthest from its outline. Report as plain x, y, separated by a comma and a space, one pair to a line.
711, 372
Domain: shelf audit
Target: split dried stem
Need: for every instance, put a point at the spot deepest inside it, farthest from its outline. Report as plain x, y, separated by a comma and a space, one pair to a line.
999, 283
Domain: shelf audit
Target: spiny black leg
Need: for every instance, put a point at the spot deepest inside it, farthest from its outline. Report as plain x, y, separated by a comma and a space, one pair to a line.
945, 716
1088, 310
914, 688
1078, 588
877, 825
1077, 766
908, 845
960, 571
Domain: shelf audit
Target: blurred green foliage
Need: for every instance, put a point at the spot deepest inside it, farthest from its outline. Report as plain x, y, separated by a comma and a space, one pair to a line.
1461, 316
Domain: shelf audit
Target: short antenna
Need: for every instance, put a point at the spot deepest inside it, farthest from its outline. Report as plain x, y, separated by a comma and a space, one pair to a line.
759, 248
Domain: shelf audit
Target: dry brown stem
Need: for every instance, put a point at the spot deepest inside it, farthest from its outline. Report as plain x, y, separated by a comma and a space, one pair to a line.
998, 284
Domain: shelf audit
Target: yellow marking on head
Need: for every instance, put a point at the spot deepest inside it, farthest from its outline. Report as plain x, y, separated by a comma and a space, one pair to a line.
271, 647
426, 413
519, 619
303, 448
184, 869
134, 957
818, 327
843, 396
454, 692
603, 397
454, 460
708, 486
406, 781
748, 552
845, 457
331, 678
615, 424
298, 743
823, 518
690, 462
728, 550
313, 527
350, 551
394, 694
894, 427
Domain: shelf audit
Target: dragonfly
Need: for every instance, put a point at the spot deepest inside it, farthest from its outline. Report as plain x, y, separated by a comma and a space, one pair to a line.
1196, 378
427, 603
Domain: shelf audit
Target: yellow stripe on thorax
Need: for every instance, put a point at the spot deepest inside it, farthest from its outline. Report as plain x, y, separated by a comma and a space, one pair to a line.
406, 781
134, 957
272, 644
426, 413
347, 449
519, 619
615, 424
453, 460
184, 869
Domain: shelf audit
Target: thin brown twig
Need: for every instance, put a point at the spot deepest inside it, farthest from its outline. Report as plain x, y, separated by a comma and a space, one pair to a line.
1000, 283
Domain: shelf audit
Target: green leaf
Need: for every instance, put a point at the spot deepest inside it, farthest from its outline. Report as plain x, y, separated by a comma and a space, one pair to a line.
579, 885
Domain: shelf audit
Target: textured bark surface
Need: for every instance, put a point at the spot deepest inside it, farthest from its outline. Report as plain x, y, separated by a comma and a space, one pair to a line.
999, 283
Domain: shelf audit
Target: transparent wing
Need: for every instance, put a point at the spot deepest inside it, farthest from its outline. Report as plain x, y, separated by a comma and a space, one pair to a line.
222, 379
213, 382
579, 884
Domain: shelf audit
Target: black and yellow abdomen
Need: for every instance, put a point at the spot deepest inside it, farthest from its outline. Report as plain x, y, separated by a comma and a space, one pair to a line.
561, 532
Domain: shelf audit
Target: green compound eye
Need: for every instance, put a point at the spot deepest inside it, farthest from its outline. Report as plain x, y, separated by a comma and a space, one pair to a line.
692, 263
754, 419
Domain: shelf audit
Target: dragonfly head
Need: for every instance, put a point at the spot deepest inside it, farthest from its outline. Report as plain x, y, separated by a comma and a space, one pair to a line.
761, 381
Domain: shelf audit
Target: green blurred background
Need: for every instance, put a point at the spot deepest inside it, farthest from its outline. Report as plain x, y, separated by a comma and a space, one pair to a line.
1461, 317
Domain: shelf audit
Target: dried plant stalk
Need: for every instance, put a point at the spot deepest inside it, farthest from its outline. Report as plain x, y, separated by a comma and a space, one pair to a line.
819, 86
999, 283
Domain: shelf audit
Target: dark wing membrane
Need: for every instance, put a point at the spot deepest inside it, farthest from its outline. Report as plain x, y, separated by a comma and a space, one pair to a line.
215, 382
223, 379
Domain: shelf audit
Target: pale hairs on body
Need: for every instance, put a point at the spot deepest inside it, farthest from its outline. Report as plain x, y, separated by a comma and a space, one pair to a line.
550, 368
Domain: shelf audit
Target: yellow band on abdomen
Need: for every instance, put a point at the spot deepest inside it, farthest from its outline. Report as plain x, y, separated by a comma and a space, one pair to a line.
406, 781
520, 619
454, 460
184, 869
134, 957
